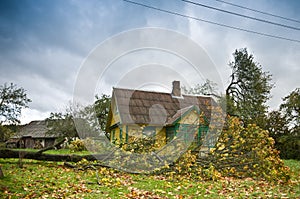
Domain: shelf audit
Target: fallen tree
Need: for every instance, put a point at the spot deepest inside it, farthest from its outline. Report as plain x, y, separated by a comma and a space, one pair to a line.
245, 152
54, 146
8, 153
40, 155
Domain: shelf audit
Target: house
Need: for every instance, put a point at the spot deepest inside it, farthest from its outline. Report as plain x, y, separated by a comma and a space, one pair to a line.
159, 115
32, 135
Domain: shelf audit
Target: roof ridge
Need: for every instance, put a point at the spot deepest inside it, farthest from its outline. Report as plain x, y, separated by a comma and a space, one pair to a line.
148, 91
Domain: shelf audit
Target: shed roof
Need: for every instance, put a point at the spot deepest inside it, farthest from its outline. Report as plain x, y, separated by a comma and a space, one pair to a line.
150, 107
34, 129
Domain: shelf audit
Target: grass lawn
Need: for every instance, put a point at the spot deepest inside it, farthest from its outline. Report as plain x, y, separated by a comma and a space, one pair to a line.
38, 179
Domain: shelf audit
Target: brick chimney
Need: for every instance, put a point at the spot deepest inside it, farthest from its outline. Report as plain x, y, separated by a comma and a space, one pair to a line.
176, 91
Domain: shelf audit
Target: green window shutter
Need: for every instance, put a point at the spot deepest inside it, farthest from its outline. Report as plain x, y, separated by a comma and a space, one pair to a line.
113, 135
126, 134
121, 136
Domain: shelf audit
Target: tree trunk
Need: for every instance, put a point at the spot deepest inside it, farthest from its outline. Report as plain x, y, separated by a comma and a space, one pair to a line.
1, 173
6, 153
53, 146
39, 155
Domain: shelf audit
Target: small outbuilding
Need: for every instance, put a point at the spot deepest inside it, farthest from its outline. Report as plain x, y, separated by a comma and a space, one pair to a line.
32, 135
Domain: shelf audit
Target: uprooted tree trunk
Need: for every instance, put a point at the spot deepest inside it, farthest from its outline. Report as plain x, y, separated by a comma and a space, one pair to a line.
245, 152
7, 153
40, 155
55, 145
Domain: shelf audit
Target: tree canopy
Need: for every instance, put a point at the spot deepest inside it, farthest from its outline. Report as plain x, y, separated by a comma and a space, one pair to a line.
12, 100
101, 107
207, 88
61, 124
291, 110
84, 117
249, 88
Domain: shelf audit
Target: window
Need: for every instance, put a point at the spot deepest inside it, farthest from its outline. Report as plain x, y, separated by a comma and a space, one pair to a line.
170, 133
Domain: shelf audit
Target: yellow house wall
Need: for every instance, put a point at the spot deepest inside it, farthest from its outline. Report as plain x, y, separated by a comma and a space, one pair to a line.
115, 134
115, 115
135, 131
115, 118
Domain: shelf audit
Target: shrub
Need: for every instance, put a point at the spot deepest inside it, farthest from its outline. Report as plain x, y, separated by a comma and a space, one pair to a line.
76, 145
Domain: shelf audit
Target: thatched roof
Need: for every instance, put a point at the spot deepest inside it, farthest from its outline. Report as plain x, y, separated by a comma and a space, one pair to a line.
144, 107
35, 129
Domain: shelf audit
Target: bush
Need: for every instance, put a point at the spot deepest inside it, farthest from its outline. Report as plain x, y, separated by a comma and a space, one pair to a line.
77, 145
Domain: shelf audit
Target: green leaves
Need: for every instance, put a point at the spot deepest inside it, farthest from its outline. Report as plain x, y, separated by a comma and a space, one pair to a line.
284, 126
12, 100
101, 107
61, 123
76, 145
249, 89
247, 152
85, 116
291, 110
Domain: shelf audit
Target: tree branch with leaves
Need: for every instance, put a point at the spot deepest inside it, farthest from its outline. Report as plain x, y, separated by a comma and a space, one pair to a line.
12, 100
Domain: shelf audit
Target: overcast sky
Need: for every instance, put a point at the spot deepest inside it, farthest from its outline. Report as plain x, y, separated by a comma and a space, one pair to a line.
43, 44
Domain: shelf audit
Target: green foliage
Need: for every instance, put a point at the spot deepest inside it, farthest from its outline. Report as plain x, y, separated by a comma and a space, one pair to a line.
207, 88
77, 145
5, 133
284, 126
101, 107
85, 118
291, 110
247, 152
289, 147
249, 89
12, 101
285, 139
62, 124
277, 125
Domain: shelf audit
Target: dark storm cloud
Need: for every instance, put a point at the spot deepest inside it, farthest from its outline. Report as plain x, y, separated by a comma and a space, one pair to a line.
43, 43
